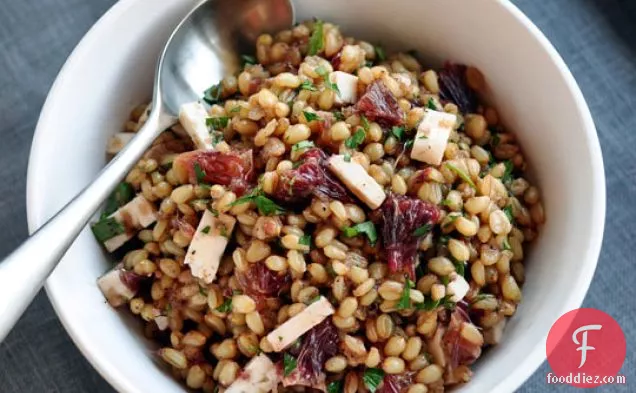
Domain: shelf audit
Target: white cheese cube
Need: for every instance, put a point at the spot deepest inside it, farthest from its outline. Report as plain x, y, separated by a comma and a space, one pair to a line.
208, 245
458, 288
357, 180
259, 376
432, 137
136, 214
117, 142
347, 86
192, 117
300, 324
114, 288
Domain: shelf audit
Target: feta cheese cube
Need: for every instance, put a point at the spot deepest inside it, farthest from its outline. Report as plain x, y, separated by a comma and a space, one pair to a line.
458, 288
135, 215
300, 324
357, 180
192, 117
117, 142
432, 137
114, 288
259, 376
208, 245
347, 86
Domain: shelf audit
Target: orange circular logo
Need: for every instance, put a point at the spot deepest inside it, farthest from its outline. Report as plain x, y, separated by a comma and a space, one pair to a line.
585, 348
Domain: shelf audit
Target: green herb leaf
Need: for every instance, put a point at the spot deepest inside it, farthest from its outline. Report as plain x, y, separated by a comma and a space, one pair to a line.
507, 175
405, 297
335, 386
305, 240
460, 267
380, 54
310, 116
398, 132
265, 206
445, 280
307, 85
494, 139
236, 109
248, 60
409, 144
430, 103
302, 145
213, 94
316, 39
226, 306
107, 228
324, 74
506, 244
463, 175
356, 139
217, 123
339, 116
428, 305
423, 230
451, 219
200, 173
289, 364
315, 299
365, 123
367, 228
372, 378
123, 194
214, 212
508, 211
347, 157
217, 136
206, 230
444, 239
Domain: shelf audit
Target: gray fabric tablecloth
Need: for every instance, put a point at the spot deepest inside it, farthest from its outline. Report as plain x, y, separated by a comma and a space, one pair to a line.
597, 39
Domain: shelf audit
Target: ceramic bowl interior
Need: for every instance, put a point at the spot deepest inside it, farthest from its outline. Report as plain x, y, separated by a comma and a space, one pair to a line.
111, 71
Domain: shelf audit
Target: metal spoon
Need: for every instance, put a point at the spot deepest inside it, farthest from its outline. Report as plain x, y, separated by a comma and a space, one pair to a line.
202, 49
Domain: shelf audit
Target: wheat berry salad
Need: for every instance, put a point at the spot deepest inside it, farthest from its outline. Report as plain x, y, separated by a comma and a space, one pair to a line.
334, 218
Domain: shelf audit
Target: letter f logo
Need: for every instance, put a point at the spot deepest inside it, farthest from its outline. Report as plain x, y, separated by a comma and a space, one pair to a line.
584, 347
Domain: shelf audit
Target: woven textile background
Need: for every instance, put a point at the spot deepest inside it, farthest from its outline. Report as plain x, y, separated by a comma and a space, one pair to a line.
597, 39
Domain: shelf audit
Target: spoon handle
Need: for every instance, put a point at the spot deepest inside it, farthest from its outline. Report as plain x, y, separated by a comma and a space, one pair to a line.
24, 271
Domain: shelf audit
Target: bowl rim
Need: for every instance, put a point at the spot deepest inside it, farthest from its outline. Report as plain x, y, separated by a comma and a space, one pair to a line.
109, 370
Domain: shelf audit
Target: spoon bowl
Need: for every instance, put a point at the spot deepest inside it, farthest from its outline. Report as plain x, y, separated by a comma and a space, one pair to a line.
202, 49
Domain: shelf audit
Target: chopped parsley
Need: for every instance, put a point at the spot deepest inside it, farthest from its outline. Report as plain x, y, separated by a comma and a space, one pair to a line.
226, 306
289, 363
356, 139
367, 228
460, 267
248, 60
315, 299
213, 94
107, 228
265, 206
206, 230
463, 175
302, 145
398, 132
409, 144
307, 85
507, 175
217, 123
335, 386
324, 74
305, 240
430, 103
379, 53
214, 212
365, 123
430, 304
347, 157
310, 116
236, 109
423, 230
372, 378
122, 194
405, 297
445, 280
506, 244
200, 173
508, 211
339, 116
494, 140
316, 39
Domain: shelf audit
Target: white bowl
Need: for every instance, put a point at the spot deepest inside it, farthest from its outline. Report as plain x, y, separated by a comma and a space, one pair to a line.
111, 70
